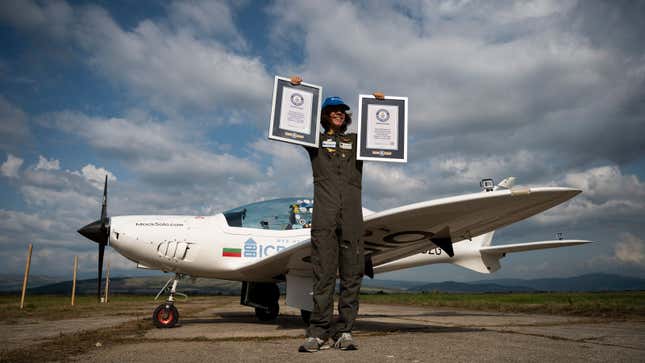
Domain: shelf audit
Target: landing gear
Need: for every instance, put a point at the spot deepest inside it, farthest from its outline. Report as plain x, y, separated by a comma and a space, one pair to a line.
263, 297
166, 315
268, 314
306, 316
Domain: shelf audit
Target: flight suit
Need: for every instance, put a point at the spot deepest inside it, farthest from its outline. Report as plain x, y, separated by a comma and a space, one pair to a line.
336, 231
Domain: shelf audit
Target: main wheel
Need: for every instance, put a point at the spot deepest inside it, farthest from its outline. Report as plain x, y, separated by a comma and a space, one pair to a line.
306, 316
268, 315
165, 316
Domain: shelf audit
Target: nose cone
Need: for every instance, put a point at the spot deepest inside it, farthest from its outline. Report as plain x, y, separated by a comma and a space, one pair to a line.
94, 232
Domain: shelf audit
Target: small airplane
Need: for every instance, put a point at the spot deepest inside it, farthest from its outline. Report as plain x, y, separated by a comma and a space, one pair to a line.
266, 243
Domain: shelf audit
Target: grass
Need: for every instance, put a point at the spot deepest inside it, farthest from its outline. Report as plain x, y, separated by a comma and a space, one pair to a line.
601, 304
56, 307
50, 307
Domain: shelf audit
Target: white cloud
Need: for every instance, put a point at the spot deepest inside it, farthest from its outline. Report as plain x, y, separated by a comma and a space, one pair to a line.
44, 164
607, 182
206, 17
173, 68
606, 193
171, 64
159, 153
11, 167
96, 176
630, 249
23, 223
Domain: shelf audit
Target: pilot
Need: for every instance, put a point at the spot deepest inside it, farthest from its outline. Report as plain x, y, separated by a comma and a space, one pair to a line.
336, 229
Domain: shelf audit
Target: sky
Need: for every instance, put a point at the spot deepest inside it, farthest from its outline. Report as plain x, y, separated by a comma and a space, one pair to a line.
172, 99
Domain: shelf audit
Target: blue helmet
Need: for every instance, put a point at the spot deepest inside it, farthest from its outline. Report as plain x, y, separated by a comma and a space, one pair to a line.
334, 101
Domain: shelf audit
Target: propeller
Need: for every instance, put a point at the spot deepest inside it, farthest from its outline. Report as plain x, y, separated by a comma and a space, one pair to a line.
99, 232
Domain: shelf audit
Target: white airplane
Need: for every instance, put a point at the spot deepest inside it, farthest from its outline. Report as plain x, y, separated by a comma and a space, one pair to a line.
266, 243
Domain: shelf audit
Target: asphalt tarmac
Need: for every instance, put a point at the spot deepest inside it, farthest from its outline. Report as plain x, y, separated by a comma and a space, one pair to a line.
385, 333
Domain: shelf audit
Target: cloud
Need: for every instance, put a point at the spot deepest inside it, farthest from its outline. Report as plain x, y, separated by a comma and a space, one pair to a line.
607, 193
96, 176
180, 63
630, 249
13, 125
44, 164
11, 167
607, 182
206, 18
160, 153
485, 79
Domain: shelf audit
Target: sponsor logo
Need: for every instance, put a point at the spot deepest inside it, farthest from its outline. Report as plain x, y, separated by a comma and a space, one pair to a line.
297, 99
382, 115
250, 248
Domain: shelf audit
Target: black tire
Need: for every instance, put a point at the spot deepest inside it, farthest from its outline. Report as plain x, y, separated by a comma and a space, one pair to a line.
306, 316
268, 315
165, 316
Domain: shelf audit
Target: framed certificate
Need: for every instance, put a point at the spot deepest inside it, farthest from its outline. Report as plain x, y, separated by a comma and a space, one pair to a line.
383, 128
295, 112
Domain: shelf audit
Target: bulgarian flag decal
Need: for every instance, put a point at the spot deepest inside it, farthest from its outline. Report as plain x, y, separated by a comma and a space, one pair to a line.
232, 252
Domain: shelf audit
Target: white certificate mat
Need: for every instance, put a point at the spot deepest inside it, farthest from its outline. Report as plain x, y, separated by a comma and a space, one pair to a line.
382, 127
296, 110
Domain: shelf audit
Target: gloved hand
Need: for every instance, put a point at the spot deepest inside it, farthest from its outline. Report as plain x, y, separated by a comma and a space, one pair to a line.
296, 80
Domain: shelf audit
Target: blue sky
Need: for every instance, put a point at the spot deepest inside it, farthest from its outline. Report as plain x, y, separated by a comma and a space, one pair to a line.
171, 99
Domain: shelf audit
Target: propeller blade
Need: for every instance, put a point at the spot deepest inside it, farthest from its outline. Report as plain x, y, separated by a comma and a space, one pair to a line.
104, 204
100, 272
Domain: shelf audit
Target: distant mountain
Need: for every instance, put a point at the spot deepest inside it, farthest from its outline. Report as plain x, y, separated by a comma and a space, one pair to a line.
389, 284
589, 282
10, 282
139, 285
465, 287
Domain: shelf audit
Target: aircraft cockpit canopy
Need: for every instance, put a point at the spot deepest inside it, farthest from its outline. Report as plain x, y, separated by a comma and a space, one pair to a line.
275, 214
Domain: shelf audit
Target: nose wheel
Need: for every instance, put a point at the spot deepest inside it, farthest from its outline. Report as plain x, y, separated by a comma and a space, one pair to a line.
166, 315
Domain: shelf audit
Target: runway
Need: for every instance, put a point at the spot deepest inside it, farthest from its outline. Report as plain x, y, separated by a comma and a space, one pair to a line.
385, 333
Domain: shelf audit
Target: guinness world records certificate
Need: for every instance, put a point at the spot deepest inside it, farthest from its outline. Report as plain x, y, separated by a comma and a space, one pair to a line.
383, 128
295, 112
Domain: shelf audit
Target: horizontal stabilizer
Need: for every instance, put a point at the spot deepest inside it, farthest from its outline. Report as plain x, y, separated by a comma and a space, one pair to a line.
530, 246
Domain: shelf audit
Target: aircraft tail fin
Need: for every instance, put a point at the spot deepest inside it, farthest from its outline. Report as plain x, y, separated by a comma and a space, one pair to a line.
486, 258
530, 246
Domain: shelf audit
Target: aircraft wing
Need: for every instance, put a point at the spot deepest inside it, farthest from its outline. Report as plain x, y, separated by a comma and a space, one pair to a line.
294, 257
404, 231
400, 232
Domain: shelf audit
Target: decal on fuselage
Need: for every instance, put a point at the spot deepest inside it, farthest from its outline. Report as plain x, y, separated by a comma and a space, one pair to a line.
231, 252
158, 224
433, 251
252, 249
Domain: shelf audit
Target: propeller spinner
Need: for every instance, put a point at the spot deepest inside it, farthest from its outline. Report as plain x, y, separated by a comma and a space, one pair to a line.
99, 232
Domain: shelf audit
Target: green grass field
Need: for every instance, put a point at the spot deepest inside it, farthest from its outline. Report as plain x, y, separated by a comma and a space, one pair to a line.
614, 304
611, 305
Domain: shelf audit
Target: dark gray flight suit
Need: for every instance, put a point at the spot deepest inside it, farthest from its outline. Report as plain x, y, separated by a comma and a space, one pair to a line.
336, 232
